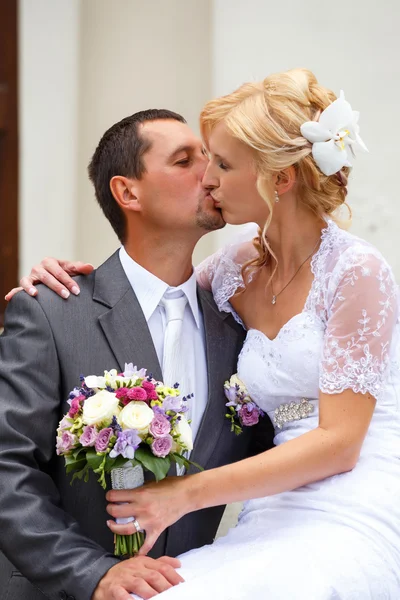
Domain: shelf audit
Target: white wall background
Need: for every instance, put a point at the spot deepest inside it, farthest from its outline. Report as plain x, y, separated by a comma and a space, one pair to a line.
349, 44
48, 112
84, 64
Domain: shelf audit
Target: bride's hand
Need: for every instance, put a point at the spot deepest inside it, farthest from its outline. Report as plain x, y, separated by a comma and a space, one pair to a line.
155, 506
55, 274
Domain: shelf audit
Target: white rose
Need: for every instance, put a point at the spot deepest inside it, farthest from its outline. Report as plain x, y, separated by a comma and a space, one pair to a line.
100, 407
183, 429
136, 415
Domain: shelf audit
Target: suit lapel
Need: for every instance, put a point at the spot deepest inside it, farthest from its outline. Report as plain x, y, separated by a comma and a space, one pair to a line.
223, 342
124, 324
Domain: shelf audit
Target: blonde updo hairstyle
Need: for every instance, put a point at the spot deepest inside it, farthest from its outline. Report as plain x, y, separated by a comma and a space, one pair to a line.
267, 116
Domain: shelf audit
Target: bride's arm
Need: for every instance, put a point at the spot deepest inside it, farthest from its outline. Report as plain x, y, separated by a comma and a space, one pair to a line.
356, 349
57, 274
54, 273
332, 448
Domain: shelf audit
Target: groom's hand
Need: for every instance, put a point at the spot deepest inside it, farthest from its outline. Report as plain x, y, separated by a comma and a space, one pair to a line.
141, 575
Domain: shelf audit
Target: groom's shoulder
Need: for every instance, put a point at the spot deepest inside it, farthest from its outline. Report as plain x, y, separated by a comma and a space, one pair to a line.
105, 277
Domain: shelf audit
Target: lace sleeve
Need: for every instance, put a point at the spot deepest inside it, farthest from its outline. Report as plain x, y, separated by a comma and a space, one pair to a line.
361, 320
222, 272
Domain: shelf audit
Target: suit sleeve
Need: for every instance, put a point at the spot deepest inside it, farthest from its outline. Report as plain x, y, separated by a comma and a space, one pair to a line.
37, 535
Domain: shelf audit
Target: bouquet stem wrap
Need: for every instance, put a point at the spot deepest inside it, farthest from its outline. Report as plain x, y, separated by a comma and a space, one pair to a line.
127, 477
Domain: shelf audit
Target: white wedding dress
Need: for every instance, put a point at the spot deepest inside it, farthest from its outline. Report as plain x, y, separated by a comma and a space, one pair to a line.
339, 538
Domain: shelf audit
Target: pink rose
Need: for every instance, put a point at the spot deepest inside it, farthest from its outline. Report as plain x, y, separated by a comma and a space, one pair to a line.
75, 407
121, 393
89, 436
160, 426
137, 393
103, 439
161, 447
150, 390
66, 442
148, 386
249, 414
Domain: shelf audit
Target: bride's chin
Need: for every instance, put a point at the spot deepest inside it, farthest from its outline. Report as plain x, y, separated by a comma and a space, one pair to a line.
233, 219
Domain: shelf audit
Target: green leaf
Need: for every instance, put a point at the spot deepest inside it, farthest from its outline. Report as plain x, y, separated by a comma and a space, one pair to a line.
94, 461
79, 474
181, 460
185, 462
77, 452
199, 467
158, 466
75, 466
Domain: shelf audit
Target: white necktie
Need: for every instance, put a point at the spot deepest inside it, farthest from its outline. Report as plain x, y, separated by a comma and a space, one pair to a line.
173, 356
173, 359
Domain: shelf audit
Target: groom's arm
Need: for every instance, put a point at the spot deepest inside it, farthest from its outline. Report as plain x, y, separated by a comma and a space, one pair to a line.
37, 535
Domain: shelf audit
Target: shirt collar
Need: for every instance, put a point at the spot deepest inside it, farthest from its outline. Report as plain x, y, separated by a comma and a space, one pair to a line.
149, 289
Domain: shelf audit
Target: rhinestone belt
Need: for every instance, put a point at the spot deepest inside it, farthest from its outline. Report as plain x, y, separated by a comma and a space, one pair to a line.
293, 411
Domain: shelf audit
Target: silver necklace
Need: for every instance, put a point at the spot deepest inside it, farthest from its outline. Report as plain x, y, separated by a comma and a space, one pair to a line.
274, 296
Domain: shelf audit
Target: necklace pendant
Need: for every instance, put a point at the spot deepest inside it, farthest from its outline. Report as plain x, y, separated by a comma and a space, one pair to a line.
274, 299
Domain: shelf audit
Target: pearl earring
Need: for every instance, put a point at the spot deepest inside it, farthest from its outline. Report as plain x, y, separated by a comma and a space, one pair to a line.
276, 196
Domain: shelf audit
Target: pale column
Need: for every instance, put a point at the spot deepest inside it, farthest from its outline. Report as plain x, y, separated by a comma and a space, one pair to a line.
48, 111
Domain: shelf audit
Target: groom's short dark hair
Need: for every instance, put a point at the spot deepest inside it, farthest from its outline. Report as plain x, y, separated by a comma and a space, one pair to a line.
120, 152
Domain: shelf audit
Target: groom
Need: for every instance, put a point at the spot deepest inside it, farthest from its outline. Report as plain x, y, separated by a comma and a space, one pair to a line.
147, 172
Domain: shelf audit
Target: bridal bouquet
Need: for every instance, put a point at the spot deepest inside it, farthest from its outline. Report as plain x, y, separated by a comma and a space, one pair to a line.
120, 424
242, 411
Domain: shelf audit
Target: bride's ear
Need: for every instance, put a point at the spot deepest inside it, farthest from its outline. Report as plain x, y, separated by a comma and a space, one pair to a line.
125, 193
285, 180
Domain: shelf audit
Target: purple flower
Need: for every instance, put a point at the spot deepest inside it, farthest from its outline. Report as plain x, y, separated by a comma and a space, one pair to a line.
89, 436
66, 442
172, 403
230, 393
133, 371
127, 442
249, 414
103, 439
65, 423
160, 426
74, 394
161, 446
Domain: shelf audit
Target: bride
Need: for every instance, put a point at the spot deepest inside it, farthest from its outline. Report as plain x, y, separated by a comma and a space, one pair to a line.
321, 518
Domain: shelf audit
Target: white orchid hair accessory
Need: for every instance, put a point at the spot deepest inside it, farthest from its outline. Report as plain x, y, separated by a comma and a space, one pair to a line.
334, 136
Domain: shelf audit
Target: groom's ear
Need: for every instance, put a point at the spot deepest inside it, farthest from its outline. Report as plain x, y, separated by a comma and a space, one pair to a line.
125, 192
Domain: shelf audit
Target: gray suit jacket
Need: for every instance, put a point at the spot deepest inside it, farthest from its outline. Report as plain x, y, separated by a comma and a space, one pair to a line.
53, 536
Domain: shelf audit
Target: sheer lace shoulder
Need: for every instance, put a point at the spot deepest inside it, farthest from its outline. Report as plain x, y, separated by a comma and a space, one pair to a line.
221, 272
357, 295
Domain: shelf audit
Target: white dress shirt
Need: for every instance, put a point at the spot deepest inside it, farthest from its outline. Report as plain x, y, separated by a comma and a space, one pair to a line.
149, 291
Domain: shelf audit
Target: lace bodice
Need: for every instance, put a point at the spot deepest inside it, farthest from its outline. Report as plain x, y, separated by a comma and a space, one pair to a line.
343, 338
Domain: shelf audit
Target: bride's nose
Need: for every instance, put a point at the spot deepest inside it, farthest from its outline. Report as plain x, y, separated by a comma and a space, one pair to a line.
210, 180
